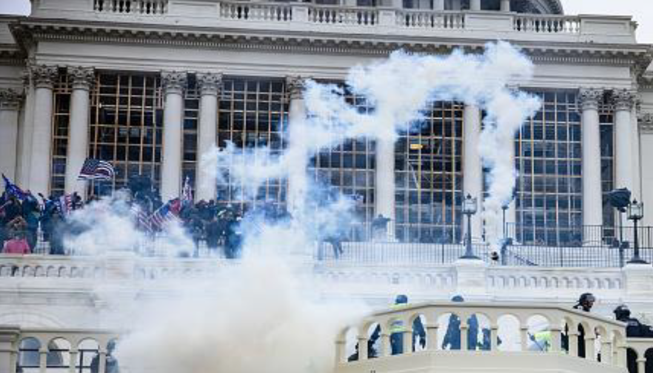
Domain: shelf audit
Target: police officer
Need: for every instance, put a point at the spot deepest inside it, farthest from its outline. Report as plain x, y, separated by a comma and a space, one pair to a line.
397, 328
634, 328
585, 302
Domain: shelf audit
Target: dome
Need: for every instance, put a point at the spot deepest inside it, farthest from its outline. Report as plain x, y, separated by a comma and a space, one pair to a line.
537, 6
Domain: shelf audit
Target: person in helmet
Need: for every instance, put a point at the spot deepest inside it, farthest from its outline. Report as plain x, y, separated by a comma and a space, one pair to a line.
585, 302
634, 328
397, 328
452, 339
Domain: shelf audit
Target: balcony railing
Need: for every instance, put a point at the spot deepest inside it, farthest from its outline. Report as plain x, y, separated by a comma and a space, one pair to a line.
329, 15
133, 7
494, 335
256, 12
539, 24
32, 350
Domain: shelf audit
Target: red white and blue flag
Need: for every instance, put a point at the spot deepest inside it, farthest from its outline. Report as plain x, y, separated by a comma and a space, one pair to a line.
94, 169
66, 204
166, 214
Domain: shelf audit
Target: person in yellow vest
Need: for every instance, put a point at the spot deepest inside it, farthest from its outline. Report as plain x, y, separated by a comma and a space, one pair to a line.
397, 328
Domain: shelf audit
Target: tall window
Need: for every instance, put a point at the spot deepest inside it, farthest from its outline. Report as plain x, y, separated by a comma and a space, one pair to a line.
126, 126
60, 123
429, 177
349, 168
549, 188
191, 115
606, 119
252, 112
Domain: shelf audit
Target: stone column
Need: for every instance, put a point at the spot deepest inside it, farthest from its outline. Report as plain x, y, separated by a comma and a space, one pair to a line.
637, 153
475, 4
205, 180
174, 84
80, 103
505, 5
41, 157
9, 106
25, 130
473, 166
384, 199
624, 166
297, 151
588, 101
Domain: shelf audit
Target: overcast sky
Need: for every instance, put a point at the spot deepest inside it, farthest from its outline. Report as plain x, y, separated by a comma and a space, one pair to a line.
641, 9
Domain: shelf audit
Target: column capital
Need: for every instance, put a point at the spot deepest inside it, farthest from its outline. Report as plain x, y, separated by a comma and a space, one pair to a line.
174, 81
645, 122
589, 98
295, 87
623, 99
9, 99
209, 83
82, 77
44, 76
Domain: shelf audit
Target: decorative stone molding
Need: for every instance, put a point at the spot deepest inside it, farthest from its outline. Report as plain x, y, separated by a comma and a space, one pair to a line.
645, 122
9, 99
295, 87
82, 77
44, 76
624, 99
589, 98
174, 82
209, 83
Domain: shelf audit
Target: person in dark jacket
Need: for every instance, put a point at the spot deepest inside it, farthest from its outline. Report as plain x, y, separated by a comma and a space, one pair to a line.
452, 339
634, 328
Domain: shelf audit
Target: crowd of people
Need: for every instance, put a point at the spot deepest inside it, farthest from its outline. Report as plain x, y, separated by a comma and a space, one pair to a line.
30, 224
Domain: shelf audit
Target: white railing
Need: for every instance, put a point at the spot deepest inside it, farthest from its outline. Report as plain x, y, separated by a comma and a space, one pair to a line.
256, 12
535, 24
329, 15
640, 353
48, 350
502, 331
136, 7
430, 20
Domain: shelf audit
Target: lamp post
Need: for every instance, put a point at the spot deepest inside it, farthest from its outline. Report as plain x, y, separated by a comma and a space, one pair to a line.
470, 206
636, 213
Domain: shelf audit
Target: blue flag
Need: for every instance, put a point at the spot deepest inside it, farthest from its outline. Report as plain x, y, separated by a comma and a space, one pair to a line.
13, 189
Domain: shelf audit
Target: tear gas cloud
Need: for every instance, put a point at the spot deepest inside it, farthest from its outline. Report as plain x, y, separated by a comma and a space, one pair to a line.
261, 314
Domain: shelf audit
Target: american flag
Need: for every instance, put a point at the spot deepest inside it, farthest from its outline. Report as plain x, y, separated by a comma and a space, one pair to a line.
13, 189
187, 193
66, 204
141, 219
94, 169
165, 214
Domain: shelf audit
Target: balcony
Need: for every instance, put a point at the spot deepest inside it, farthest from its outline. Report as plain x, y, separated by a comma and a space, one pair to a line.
305, 18
530, 338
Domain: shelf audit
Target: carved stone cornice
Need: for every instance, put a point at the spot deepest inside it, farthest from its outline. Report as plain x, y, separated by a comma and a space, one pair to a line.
645, 122
82, 77
624, 99
174, 82
10, 99
209, 83
295, 86
589, 98
44, 76
297, 42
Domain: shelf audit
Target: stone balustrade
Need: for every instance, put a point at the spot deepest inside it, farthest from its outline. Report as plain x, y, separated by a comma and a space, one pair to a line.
547, 335
133, 7
41, 350
640, 355
375, 279
307, 17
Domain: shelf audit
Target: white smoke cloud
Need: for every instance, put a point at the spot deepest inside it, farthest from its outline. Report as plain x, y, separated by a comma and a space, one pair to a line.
263, 313
399, 89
